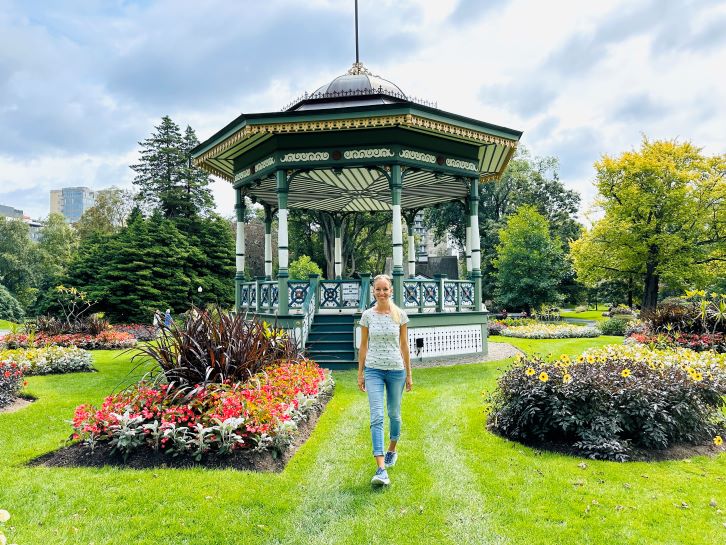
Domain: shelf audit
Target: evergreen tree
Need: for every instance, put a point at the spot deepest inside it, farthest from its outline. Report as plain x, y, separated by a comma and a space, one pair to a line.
529, 263
165, 179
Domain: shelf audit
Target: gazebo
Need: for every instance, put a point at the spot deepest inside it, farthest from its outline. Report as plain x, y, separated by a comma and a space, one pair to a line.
359, 144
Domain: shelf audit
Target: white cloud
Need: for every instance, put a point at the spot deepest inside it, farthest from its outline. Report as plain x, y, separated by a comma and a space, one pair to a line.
79, 87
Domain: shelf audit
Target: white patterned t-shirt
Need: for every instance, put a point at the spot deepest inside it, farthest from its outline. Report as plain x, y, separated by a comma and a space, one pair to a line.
384, 345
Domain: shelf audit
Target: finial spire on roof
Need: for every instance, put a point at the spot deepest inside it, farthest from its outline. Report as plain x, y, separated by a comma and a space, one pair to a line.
357, 57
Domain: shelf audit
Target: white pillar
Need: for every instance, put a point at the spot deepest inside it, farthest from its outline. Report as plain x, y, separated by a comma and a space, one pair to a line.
475, 243
338, 224
397, 237
283, 255
411, 251
467, 250
268, 242
240, 244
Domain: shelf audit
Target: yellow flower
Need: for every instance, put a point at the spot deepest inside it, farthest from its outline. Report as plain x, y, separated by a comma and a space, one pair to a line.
565, 358
625, 373
544, 377
567, 377
651, 365
529, 372
591, 359
698, 377
580, 358
718, 440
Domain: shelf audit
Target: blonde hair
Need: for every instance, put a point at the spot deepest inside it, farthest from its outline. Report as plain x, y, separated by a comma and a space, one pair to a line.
395, 311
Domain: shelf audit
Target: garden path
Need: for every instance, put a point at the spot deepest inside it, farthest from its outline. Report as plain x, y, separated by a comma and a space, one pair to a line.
497, 351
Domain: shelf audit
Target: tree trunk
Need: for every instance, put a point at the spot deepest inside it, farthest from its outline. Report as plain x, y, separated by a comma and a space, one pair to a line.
650, 288
630, 291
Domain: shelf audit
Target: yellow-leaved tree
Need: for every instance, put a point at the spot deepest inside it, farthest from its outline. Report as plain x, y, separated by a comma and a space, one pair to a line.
664, 219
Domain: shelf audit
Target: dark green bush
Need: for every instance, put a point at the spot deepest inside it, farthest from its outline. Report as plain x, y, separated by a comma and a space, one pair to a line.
10, 309
611, 401
614, 326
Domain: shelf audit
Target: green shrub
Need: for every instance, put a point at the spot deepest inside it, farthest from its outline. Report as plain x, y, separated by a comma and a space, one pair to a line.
10, 309
614, 326
303, 267
613, 399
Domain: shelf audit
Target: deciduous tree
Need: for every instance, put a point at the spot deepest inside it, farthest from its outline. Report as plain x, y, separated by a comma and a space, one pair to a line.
664, 219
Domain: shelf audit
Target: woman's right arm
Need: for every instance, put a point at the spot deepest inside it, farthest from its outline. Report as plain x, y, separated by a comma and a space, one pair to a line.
362, 352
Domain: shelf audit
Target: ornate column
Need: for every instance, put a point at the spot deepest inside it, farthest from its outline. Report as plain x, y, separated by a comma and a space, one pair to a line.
467, 250
410, 216
397, 235
282, 250
269, 212
338, 227
239, 276
475, 241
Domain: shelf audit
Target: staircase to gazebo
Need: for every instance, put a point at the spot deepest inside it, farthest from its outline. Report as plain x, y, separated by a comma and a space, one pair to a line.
330, 341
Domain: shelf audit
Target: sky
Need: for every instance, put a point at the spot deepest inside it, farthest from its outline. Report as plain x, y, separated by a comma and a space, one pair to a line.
82, 82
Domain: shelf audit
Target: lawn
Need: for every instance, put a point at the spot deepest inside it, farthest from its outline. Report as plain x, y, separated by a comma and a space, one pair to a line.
587, 315
454, 482
4, 324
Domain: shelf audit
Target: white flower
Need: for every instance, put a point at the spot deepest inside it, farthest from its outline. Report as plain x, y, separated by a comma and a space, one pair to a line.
4, 515
3, 539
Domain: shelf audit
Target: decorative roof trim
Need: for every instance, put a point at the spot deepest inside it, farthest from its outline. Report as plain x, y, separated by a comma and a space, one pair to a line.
405, 120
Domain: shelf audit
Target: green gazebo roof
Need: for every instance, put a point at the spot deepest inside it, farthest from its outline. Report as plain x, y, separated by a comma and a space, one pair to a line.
337, 146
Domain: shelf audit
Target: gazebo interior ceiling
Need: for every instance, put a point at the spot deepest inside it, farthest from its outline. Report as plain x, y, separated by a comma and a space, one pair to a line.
360, 189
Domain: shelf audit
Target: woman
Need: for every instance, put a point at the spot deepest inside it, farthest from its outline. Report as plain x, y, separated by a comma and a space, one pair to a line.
384, 364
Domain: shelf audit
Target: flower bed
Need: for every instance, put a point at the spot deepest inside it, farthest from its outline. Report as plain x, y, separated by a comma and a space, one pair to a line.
106, 340
261, 413
550, 331
612, 400
49, 359
694, 341
141, 332
11, 380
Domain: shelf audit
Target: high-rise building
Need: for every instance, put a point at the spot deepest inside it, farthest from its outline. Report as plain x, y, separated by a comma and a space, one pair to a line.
72, 202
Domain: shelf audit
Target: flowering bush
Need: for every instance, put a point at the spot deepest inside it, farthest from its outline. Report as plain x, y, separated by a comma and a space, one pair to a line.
106, 340
141, 332
260, 413
694, 341
613, 399
550, 331
49, 359
495, 327
11, 380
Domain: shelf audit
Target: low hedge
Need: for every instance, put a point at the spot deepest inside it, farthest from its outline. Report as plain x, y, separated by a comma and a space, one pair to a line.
550, 331
612, 400
49, 359
11, 380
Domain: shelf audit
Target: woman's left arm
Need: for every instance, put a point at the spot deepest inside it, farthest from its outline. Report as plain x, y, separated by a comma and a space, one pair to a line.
406, 354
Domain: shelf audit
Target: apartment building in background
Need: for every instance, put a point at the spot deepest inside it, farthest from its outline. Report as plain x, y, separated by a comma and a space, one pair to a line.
72, 202
15, 214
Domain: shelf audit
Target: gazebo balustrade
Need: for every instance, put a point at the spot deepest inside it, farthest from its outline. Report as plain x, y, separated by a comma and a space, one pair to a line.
360, 145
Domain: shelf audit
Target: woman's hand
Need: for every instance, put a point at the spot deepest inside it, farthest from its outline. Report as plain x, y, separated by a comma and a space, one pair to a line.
361, 381
409, 383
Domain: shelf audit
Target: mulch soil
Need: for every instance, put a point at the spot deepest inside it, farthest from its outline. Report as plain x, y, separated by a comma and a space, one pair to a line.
80, 455
19, 403
675, 452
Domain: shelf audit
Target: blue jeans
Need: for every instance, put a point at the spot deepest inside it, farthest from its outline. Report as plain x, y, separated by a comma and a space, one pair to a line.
393, 381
